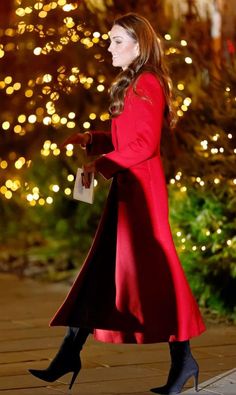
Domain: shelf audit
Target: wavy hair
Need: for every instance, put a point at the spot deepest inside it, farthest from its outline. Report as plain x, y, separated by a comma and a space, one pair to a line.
150, 58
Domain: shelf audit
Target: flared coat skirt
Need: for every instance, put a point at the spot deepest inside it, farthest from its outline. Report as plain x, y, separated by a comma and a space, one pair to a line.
131, 287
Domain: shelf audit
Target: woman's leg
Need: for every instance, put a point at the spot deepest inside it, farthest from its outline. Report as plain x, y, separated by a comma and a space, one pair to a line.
183, 366
67, 358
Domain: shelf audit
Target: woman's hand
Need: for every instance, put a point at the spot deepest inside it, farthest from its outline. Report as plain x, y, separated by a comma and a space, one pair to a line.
88, 168
77, 138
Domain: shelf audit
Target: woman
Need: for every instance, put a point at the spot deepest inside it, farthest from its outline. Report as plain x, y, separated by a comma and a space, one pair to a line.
131, 288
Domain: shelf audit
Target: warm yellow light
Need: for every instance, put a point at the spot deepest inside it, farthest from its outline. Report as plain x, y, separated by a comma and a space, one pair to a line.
8, 79
55, 188
219, 231
188, 60
30, 197
203, 248
184, 108
95, 183
208, 233
37, 51
56, 118
21, 118
100, 88
9, 183
69, 22
183, 43
47, 144
71, 115
20, 11
70, 147
45, 152
230, 136
29, 93
180, 113
180, 86
49, 200
68, 7
56, 152
183, 189
167, 37
32, 203
70, 177
47, 78
86, 125
3, 189
63, 120
8, 195
9, 90
73, 78
71, 125
179, 233
172, 181
2, 53
216, 180
3, 164
187, 101
61, 2
28, 10
92, 116
194, 248
6, 125
229, 242
36, 196
67, 191
42, 14
41, 202
105, 36
19, 164
47, 120
32, 118
35, 190
17, 86
53, 146
38, 6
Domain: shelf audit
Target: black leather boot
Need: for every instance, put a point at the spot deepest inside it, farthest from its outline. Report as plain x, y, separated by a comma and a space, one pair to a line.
183, 366
67, 358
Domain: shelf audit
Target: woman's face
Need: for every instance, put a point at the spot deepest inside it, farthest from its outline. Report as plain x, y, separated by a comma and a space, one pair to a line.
122, 47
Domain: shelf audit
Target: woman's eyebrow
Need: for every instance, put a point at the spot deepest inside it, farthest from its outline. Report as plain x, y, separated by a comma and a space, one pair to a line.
115, 37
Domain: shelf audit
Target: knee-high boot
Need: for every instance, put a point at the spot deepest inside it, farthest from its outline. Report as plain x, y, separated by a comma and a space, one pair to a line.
183, 366
67, 358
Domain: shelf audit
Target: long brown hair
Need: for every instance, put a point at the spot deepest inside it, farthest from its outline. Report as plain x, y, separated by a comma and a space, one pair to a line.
150, 58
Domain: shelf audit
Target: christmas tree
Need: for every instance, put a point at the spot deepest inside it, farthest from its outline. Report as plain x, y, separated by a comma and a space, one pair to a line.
53, 82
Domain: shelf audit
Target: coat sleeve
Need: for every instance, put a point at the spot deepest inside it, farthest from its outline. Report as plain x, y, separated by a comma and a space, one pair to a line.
146, 113
101, 143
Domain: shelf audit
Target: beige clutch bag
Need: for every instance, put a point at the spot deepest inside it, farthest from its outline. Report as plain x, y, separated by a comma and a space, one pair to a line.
80, 192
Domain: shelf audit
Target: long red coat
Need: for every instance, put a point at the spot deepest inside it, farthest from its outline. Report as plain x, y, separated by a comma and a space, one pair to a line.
132, 288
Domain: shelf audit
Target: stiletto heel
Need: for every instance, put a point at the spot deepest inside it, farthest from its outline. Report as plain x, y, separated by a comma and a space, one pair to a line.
183, 367
75, 374
196, 381
67, 358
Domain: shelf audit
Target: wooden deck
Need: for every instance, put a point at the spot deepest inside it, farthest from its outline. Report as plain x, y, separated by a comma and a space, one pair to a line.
27, 341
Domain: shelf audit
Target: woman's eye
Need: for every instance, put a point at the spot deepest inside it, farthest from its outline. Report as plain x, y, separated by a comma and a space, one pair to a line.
118, 42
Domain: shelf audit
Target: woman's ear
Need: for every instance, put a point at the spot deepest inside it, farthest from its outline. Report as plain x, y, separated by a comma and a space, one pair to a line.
137, 49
